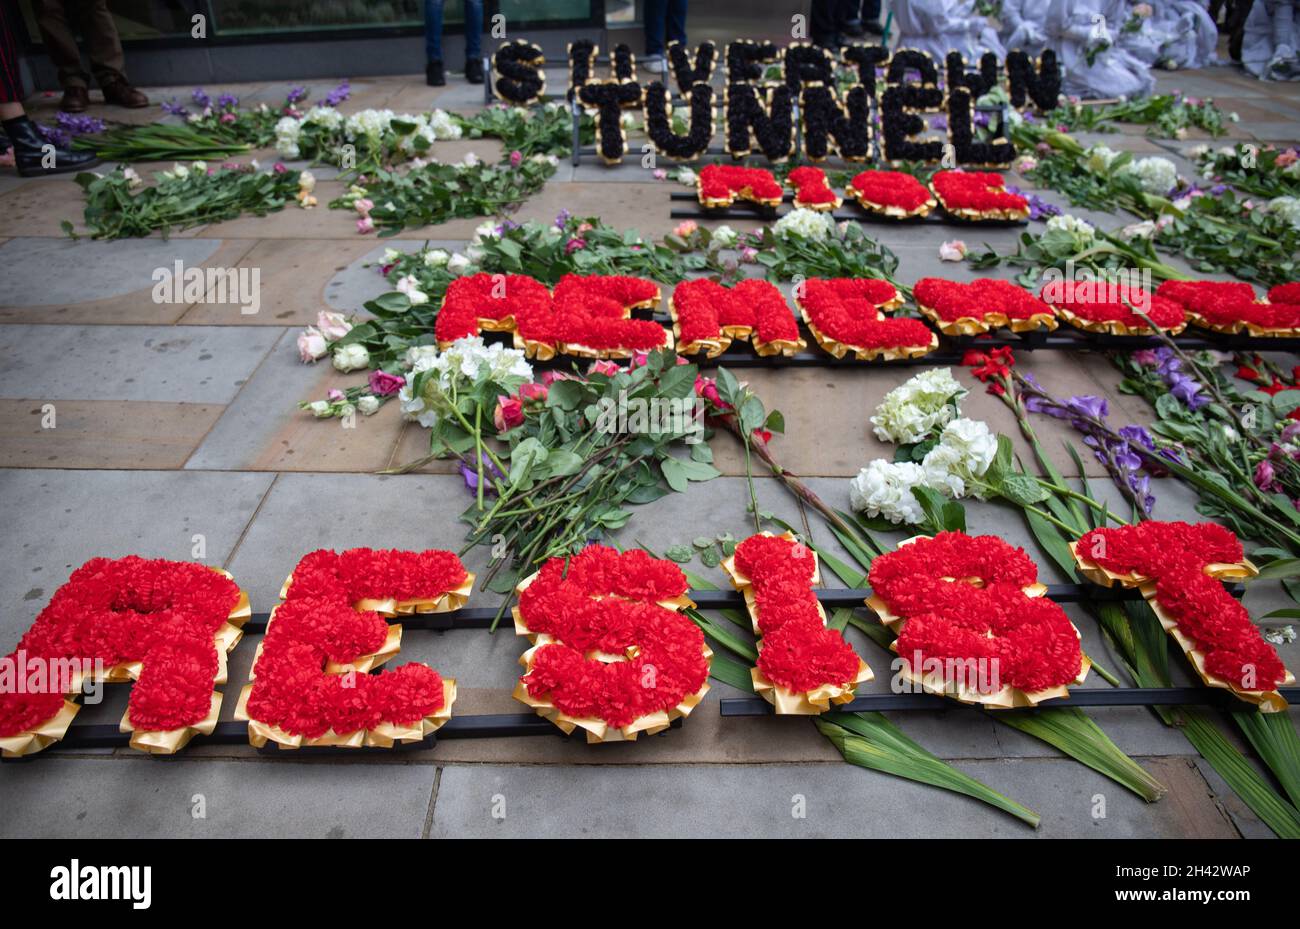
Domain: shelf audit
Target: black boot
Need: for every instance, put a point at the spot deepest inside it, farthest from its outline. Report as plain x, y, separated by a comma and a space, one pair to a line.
433, 75
33, 159
474, 70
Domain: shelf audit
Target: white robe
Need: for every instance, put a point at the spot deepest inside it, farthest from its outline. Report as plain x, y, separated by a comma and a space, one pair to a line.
1072, 27
1178, 31
1271, 25
942, 26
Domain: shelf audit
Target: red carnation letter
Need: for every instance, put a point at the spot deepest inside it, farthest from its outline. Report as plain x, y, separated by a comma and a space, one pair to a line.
803, 666
489, 303
846, 315
590, 317
812, 191
167, 625
311, 682
1180, 567
980, 305
1231, 306
708, 316
722, 185
891, 193
612, 653
977, 195
973, 622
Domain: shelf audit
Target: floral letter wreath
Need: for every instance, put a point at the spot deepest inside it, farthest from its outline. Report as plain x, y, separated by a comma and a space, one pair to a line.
721, 185
970, 612
976, 195
310, 683
891, 193
165, 624
1089, 305
517, 72
611, 652
811, 189
803, 666
1230, 306
981, 305
844, 315
1179, 568
707, 316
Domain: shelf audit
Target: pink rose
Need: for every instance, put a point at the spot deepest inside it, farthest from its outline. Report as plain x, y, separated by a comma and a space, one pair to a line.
707, 388
365, 224
573, 245
364, 206
508, 414
685, 228
382, 383
530, 392
311, 344
515, 158
332, 325
280, 168
550, 377
607, 368
335, 395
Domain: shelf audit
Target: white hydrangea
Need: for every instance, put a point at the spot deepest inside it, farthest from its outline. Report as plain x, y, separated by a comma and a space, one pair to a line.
1288, 208
965, 451
922, 403
325, 116
725, 236
287, 131
1099, 158
803, 223
1082, 230
372, 123
884, 488
1156, 175
418, 354
443, 126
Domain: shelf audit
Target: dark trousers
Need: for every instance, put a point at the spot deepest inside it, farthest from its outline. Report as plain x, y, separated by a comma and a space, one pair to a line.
11, 84
104, 48
661, 13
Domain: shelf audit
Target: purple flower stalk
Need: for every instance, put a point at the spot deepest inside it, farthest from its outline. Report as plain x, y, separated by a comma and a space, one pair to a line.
175, 109
339, 94
470, 474
200, 98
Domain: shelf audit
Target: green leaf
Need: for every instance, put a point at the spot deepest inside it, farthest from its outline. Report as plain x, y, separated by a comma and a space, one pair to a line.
1022, 490
675, 474
1283, 567
679, 553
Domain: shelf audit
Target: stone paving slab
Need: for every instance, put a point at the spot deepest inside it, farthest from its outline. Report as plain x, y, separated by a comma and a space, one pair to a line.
58, 519
102, 433
351, 287
745, 800
264, 430
192, 365
149, 797
291, 277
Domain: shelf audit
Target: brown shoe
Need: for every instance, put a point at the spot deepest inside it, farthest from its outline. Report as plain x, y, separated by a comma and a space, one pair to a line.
75, 100
123, 94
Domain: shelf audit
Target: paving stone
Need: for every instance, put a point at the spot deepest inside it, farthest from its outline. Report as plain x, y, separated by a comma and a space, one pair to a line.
646, 205
57, 520
194, 365
291, 276
263, 429
749, 800
361, 280
54, 798
102, 433
293, 222
81, 271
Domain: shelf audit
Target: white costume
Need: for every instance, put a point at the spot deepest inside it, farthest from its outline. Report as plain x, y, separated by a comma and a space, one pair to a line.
1075, 26
1022, 25
1178, 33
942, 26
1268, 48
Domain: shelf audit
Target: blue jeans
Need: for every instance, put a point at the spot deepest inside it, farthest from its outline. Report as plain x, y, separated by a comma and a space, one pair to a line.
433, 29
657, 14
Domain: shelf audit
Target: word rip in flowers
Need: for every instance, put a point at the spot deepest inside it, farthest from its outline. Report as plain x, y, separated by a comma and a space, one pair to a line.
764, 83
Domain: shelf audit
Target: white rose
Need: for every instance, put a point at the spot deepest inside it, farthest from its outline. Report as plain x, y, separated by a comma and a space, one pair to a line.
333, 326
320, 409
411, 287
368, 405
458, 264
351, 357
725, 236
436, 258
311, 344
884, 488
487, 230
954, 250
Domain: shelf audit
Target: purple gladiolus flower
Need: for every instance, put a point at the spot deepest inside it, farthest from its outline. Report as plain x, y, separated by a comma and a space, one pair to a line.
562, 219
200, 98
339, 94
296, 95
227, 101
470, 474
175, 109
1088, 405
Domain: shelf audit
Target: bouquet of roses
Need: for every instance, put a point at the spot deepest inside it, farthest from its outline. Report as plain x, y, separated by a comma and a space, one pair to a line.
1260, 171
367, 139
544, 131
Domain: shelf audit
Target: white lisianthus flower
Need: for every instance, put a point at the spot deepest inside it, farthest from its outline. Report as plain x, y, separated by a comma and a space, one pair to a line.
133, 180
725, 236
391, 256
1099, 158
179, 171
411, 287
487, 230
911, 411
368, 405
1143, 230
884, 488
306, 181
688, 177
443, 126
458, 264
351, 357
469, 161
320, 409
1197, 152
436, 258
803, 223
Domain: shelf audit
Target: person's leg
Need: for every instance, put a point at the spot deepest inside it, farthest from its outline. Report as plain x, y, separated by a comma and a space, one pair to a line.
433, 73
32, 153
104, 48
474, 41
61, 46
656, 14
677, 21
825, 25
